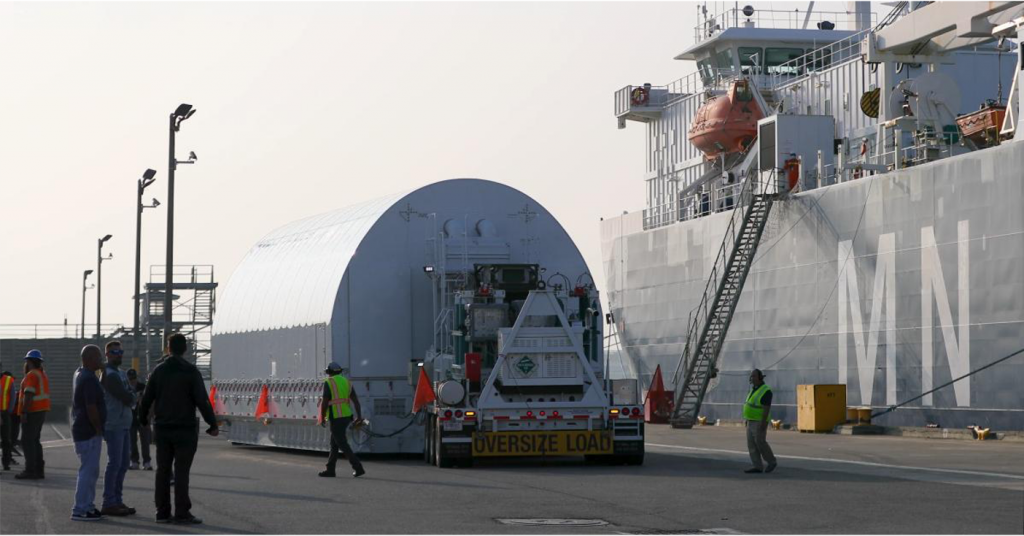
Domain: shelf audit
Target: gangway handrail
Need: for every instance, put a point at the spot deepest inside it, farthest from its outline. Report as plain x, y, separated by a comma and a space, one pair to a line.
698, 317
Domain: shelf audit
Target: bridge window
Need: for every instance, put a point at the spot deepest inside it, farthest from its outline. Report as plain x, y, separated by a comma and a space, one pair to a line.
751, 59
774, 58
724, 59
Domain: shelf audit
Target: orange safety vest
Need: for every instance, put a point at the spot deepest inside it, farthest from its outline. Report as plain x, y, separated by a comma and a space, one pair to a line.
5, 391
38, 384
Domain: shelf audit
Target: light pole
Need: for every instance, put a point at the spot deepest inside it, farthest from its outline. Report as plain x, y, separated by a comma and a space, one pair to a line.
181, 113
85, 275
99, 284
147, 178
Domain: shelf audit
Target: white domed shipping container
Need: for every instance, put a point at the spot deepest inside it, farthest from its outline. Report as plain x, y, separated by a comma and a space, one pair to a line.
360, 287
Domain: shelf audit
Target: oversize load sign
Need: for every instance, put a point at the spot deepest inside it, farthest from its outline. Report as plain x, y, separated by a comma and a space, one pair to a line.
568, 443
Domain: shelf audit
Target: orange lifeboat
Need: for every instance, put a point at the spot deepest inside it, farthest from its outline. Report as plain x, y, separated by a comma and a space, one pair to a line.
726, 123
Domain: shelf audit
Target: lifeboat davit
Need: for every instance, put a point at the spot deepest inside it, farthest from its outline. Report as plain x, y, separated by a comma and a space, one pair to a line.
726, 123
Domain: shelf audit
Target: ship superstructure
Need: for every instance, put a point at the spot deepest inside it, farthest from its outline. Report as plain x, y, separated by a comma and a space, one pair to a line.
833, 206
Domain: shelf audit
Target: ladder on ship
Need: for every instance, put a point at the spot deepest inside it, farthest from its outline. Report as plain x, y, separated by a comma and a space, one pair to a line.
709, 323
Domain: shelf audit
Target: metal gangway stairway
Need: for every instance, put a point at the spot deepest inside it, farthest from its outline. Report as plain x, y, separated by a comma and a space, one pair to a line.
709, 322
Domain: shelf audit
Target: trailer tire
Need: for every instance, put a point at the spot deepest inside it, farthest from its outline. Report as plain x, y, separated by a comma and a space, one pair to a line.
440, 459
428, 440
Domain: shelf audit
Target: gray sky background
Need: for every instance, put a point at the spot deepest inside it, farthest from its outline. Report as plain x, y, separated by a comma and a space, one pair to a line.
302, 109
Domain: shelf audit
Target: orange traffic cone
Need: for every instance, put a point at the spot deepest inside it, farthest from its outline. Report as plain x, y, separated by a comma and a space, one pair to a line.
424, 392
263, 406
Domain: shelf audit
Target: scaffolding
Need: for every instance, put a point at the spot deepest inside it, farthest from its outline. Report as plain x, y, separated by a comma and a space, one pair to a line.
193, 303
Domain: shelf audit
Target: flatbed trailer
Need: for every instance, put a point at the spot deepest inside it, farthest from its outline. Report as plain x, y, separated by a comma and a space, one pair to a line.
529, 381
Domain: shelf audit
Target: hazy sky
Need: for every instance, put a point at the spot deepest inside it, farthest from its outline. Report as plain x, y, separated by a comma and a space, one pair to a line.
302, 109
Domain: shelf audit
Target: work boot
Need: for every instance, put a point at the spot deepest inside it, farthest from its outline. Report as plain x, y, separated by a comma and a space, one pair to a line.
134, 466
327, 473
24, 475
358, 472
147, 467
770, 468
753, 470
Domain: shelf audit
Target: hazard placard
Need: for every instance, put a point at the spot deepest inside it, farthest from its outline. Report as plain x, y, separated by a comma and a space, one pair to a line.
562, 443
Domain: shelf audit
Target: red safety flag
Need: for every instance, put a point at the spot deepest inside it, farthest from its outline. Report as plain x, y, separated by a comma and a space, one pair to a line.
657, 384
424, 392
263, 406
213, 398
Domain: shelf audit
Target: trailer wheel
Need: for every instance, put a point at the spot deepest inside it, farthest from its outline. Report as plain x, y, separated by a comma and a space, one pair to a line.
427, 440
440, 459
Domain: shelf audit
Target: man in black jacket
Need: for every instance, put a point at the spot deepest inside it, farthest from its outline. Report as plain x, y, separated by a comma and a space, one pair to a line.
175, 390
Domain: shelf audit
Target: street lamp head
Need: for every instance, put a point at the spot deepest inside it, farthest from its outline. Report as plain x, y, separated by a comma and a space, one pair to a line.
192, 156
155, 203
105, 238
86, 274
183, 111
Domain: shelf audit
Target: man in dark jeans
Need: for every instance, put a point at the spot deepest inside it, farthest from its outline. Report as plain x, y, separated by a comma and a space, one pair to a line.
140, 434
175, 390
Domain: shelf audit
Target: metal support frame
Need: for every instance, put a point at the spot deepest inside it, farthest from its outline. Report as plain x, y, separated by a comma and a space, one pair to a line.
542, 303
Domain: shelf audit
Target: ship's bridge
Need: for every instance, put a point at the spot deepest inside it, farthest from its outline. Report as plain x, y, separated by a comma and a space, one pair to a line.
764, 45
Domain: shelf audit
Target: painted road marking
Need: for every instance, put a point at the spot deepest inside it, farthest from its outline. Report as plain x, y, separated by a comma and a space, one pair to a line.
57, 443
850, 462
57, 431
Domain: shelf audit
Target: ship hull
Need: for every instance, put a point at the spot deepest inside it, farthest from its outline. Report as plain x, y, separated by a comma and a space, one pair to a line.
892, 285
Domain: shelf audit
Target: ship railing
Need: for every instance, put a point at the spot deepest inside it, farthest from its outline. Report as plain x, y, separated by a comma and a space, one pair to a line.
774, 19
698, 317
668, 94
797, 69
57, 331
688, 207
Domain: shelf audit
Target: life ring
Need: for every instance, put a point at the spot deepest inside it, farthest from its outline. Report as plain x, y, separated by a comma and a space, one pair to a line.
639, 96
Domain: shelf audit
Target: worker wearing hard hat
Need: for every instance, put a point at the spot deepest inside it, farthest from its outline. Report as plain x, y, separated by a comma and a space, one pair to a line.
756, 412
339, 400
35, 403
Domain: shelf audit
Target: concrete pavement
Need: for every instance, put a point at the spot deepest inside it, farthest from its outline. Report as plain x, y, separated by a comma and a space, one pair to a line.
692, 481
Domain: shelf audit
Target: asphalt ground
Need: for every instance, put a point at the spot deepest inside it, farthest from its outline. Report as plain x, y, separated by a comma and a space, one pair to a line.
692, 480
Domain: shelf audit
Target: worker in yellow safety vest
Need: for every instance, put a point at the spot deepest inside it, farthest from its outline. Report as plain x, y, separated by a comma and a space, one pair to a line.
756, 411
34, 405
8, 394
336, 409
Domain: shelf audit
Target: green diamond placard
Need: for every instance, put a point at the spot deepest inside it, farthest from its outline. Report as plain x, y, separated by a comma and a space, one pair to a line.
526, 365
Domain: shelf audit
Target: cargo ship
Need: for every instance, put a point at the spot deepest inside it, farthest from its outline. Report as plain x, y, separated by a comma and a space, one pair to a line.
834, 198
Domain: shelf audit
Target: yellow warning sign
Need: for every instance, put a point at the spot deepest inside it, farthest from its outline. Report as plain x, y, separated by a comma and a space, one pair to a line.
562, 443
869, 103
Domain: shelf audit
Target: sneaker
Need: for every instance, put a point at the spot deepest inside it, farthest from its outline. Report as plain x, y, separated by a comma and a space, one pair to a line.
24, 475
327, 473
134, 466
753, 470
163, 519
358, 472
770, 468
115, 510
92, 515
146, 466
188, 520
129, 509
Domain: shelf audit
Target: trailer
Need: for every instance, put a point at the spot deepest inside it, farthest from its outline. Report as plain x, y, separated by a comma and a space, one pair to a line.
524, 377
433, 279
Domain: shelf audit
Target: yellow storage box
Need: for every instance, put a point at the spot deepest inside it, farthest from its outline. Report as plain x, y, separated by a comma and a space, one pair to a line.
820, 407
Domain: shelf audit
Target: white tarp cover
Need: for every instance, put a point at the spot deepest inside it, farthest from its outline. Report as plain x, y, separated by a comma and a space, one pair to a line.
291, 276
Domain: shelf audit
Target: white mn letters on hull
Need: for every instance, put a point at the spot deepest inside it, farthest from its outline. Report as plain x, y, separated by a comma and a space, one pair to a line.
933, 290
